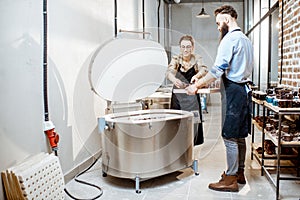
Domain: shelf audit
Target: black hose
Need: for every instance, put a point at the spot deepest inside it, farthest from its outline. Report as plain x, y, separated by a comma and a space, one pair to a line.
55, 152
86, 183
143, 14
116, 18
45, 63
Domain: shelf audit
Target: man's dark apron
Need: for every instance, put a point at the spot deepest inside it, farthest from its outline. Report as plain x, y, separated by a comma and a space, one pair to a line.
182, 101
236, 109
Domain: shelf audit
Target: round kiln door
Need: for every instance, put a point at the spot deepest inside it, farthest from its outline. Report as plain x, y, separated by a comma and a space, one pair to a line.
126, 70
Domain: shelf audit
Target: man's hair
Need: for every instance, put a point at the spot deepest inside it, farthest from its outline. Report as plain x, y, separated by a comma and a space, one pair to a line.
187, 37
226, 9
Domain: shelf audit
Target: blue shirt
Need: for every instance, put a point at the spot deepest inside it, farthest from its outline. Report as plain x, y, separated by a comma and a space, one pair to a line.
234, 57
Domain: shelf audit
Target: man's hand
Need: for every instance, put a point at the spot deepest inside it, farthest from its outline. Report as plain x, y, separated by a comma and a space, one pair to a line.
191, 89
194, 79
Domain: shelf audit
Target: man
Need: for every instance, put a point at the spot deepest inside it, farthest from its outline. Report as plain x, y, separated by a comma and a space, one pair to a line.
234, 65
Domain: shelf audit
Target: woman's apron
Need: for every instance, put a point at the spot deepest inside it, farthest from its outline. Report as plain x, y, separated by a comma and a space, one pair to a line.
182, 101
236, 109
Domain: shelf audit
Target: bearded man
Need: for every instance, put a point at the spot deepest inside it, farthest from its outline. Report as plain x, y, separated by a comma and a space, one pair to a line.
233, 65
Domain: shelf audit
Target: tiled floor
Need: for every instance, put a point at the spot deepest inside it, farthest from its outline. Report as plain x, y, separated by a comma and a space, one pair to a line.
184, 185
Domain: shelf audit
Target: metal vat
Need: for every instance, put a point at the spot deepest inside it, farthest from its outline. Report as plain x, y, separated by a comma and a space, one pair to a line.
147, 143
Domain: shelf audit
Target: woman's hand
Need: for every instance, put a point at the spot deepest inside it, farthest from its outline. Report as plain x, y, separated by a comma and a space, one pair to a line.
178, 83
191, 89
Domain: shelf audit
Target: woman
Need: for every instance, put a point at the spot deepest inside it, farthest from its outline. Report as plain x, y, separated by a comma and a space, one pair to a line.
183, 69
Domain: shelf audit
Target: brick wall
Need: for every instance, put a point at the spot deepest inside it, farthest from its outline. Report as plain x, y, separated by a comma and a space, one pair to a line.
291, 43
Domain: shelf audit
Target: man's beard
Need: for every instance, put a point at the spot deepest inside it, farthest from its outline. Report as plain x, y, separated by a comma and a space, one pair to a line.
224, 31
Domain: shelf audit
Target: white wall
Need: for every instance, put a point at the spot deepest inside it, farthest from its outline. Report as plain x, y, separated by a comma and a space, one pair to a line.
75, 29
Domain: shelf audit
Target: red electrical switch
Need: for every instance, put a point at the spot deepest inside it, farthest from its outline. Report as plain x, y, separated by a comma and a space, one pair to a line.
53, 137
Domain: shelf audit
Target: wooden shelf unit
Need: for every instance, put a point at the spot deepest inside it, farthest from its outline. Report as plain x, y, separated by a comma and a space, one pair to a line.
278, 157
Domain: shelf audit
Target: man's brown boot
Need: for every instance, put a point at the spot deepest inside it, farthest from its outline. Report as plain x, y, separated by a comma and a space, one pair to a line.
241, 177
226, 184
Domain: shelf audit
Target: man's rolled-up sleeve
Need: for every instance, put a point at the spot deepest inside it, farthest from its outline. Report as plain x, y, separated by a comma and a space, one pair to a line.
224, 56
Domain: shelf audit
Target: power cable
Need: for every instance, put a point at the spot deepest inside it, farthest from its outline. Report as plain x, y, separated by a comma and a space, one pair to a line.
86, 183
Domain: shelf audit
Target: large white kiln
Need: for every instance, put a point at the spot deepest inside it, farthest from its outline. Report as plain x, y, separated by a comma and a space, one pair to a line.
139, 144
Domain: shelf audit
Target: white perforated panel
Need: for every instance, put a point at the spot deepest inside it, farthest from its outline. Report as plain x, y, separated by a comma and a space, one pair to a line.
38, 178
